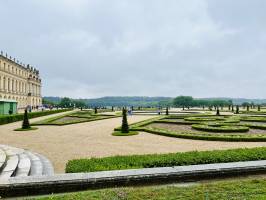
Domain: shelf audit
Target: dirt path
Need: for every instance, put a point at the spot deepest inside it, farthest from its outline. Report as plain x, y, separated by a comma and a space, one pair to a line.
94, 139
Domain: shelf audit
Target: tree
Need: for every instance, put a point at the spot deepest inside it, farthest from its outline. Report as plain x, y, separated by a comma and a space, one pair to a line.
95, 110
217, 111
124, 128
167, 112
66, 102
237, 109
183, 101
258, 107
26, 123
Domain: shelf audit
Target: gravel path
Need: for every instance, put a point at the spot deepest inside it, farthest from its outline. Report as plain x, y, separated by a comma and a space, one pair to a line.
94, 139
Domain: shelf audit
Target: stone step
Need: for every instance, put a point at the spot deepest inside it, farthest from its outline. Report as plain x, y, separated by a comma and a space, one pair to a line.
10, 166
36, 164
2, 158
24, 165
48, 168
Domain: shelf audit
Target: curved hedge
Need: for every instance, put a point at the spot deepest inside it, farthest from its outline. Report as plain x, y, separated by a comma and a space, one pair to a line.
220, 128
203, 119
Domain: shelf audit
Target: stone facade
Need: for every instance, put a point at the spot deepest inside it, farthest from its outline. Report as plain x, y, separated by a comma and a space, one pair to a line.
19, 82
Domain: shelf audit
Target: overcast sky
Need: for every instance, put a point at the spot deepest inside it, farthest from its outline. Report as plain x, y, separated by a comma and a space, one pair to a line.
94, 48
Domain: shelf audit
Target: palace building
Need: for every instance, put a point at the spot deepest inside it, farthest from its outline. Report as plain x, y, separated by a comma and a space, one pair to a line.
19, 83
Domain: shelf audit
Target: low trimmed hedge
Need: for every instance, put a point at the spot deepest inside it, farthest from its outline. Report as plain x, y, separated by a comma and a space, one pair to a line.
5, 119
165, 160
220, 128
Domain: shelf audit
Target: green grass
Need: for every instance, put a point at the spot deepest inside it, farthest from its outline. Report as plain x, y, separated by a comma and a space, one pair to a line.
119, 133
249, 189
27, 129
73, 118
164, 160
5, 119
221, 128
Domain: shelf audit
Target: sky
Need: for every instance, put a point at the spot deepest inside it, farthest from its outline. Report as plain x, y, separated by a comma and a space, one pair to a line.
95, 48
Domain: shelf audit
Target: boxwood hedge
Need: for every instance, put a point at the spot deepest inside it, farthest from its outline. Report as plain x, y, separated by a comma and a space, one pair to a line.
165, 160
5, 119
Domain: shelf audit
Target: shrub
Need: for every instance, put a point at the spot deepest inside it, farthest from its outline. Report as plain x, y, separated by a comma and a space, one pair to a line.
95, 110
217, 112
124, 128
26, 123
5, 119
237, 109
167, 112
220, 128
165, 160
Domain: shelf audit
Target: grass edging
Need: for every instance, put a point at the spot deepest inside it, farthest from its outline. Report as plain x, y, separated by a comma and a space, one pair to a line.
27, 129
165, 160
130, 133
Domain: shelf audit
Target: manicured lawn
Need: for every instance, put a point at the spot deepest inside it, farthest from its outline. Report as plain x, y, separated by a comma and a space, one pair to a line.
74, 118
250, 189
206, 127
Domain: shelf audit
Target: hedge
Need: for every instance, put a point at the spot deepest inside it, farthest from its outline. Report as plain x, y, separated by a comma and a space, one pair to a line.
165, 160
220, 128
5, 119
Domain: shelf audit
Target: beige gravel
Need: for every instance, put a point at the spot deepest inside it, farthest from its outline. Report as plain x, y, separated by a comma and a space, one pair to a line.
94, 139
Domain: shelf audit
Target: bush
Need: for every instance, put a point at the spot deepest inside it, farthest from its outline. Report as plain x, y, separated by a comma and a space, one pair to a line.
220, 128
165, 160
26, 123
124, 128
5, 119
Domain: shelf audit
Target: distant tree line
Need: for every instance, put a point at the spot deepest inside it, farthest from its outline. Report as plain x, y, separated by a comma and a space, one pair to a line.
188, 101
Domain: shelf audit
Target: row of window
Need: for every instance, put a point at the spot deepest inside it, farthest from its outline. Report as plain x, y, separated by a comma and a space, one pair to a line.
11, 85
17, 71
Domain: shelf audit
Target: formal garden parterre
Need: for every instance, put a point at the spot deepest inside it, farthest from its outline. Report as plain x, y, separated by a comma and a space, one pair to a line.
206, 127
77, 117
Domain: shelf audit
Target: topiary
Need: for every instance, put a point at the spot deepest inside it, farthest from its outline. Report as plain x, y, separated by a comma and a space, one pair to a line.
167, 112
258, 107
237, 109
95, 110
124, 128
218, 111
26, 123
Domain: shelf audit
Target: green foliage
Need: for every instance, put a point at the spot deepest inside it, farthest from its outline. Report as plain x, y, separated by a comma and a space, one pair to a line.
237, 109
220, 128
95, 110
26, 123
164, 160
5, 119
167, 111
74, 118
124, 127
188, 101
183, 101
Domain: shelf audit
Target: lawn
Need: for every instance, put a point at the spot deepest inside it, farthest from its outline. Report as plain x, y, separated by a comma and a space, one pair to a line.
249, 189
74, 118
206, 127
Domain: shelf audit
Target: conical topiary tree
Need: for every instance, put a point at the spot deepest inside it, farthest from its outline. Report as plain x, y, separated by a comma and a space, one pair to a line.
247, 107
124, 128
167, 112
26, 123
258, 107
217, 111
237, 109
95, 110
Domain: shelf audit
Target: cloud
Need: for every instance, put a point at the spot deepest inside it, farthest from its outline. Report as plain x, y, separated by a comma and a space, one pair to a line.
91, 48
